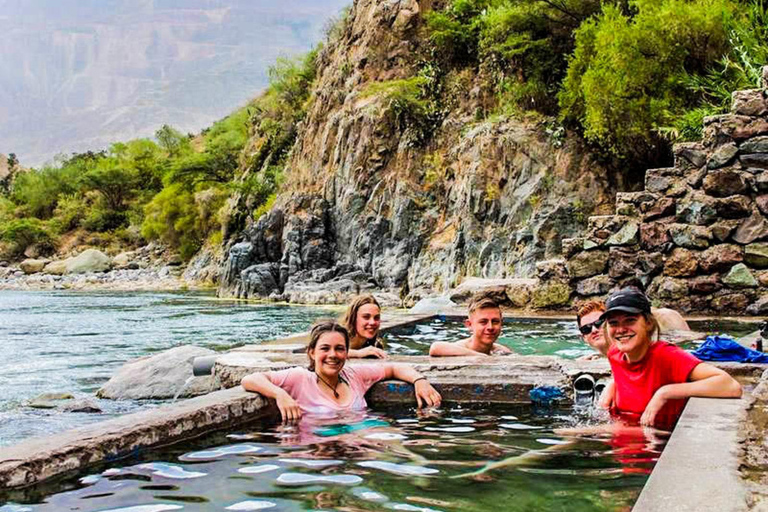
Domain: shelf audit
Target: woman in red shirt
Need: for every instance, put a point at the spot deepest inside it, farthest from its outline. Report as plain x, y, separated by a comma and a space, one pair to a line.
653, 379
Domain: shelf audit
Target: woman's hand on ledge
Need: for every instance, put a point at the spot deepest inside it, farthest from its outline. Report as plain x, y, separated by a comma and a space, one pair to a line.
426, 395
289, 409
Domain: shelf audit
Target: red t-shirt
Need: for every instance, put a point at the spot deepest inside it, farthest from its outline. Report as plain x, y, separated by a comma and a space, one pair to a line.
636, 383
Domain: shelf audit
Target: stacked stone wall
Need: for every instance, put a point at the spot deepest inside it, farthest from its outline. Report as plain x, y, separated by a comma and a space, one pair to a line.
697, 236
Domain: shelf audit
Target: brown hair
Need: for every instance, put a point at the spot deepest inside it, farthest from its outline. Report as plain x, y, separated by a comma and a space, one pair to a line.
318, 330
589, 307
349, 320
482, 301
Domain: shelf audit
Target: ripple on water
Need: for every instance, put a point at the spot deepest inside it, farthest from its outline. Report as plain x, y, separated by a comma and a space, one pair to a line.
252, 505
398, 469
299, 479
222, 451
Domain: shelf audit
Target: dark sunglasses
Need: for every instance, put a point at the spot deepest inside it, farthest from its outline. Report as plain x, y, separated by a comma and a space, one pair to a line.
587, 328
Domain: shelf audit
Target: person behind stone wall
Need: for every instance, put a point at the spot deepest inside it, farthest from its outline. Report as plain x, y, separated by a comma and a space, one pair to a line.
484, 321
667, 319
362, 319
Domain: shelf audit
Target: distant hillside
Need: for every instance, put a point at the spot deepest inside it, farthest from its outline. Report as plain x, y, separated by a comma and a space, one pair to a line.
78, 75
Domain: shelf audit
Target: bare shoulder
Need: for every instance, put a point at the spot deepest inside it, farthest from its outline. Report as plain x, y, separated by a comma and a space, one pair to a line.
500, 349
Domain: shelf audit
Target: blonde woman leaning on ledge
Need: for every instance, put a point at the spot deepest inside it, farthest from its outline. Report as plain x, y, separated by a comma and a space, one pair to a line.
363, 321
327, 386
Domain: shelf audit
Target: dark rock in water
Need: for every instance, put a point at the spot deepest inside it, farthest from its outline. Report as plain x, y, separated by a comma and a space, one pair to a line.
160, 376
83, 405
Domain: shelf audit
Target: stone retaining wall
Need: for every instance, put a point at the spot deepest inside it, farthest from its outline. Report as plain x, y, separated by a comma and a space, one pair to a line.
696, 236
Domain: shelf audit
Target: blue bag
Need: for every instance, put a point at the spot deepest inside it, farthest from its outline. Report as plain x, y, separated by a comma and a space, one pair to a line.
724, 348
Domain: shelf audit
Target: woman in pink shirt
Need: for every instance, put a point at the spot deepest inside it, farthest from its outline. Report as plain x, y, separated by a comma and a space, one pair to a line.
327, 386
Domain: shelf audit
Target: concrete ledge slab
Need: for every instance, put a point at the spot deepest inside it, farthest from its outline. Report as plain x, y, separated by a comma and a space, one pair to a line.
35, 460
699, 468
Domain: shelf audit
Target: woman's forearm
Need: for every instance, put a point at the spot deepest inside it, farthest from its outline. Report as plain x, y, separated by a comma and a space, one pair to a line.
259, 383
404, 372
714, 386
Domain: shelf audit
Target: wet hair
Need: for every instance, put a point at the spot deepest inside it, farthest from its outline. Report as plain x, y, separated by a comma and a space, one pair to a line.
589, 307
482, 301
318, 330
349, 320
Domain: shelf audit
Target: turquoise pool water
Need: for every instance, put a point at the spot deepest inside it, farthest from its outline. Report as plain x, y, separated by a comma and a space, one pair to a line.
529, 336
401, 461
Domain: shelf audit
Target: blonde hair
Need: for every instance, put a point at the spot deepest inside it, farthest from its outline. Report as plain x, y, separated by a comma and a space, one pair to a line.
349, 320
482, 301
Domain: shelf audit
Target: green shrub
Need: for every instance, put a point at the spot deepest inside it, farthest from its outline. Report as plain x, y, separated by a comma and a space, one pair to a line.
70, 211
625, 77
21, 233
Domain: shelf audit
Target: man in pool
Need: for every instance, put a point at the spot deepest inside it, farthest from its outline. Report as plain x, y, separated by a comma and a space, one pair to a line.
590, 327
484, 322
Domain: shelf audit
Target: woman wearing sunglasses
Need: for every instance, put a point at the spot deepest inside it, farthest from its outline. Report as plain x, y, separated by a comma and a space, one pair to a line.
327, 385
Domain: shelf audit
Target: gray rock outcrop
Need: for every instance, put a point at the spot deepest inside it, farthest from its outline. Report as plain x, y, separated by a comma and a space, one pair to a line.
160, 376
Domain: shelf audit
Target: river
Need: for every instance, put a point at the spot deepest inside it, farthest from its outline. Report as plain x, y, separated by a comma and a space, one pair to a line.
73, 342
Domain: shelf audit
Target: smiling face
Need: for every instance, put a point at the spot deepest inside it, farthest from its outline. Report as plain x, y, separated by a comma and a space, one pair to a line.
485, 325
595, 338
629, 332
329, 354
368, 321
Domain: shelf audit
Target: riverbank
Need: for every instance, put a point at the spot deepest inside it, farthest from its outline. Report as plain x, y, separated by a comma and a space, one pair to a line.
163, 278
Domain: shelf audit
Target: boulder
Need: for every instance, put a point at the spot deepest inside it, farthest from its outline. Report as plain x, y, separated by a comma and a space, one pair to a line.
627, 235
689, 155
587, 264
755, 160
759, 307
49, 400
552, 269
756, 255
751, 102
722, 156
733, 207
661, 208
598, 285
159, 376
433, 305
654, 236
697, 209
756, 145
31, 266
722, 230
704, 285
720, 258
58, 268
691, 237
669, 288
259, 280
726, 128
752, 229
124, 259
551, 295
681, 263
740, 277
725, 182
730, 303
90, 260
762, 203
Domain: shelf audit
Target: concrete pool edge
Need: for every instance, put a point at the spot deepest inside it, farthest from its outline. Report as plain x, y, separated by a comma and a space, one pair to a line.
699, 468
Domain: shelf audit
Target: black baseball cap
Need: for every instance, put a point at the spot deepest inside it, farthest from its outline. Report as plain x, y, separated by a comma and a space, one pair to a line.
626, 300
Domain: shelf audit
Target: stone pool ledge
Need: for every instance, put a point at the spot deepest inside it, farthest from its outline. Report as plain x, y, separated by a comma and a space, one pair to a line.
38, 459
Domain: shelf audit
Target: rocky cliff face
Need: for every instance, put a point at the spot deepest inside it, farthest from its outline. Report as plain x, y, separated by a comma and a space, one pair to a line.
369, 202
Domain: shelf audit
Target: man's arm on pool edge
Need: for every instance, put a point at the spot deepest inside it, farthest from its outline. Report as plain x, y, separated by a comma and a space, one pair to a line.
445, 349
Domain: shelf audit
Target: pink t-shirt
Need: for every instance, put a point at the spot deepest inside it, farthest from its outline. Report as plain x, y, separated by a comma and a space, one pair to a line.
302, 385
